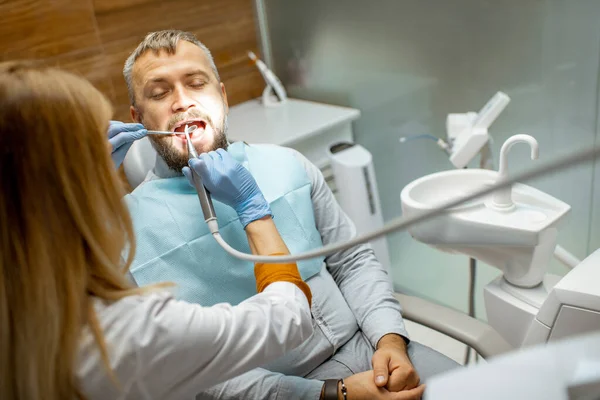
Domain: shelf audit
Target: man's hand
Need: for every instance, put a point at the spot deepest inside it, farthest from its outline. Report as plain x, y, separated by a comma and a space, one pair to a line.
391, 365
362, 387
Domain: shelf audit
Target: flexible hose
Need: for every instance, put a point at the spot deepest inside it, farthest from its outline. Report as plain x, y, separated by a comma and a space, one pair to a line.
402, 222
472, 282
405, 139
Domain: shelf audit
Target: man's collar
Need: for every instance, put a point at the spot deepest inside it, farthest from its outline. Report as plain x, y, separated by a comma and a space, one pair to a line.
161, 169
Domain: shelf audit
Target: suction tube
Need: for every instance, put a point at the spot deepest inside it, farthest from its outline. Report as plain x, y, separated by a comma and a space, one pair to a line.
403, 223
205, 200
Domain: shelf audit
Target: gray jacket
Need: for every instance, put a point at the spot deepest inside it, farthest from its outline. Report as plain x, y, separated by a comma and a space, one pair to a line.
353, 291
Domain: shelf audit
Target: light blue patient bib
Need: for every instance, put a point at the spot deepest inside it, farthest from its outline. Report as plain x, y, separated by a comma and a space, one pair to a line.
174, 244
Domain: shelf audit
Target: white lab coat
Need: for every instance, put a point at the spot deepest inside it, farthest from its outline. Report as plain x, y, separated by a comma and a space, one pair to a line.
162, 348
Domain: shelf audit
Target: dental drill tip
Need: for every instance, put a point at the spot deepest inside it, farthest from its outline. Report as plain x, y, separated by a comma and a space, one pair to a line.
252, 55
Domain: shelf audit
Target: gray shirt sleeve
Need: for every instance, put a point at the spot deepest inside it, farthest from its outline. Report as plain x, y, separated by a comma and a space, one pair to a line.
362, 279
264, 384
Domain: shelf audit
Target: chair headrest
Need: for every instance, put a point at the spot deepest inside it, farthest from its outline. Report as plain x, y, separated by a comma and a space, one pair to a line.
140, 159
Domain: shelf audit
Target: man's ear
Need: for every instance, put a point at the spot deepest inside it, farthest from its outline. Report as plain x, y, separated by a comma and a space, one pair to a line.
225, 97
135, 115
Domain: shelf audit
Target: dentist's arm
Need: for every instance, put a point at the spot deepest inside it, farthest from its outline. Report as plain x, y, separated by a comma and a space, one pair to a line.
232, 184
264, 239
178, 349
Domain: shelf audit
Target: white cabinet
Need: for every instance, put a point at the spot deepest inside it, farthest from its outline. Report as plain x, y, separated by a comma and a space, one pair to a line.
309, 127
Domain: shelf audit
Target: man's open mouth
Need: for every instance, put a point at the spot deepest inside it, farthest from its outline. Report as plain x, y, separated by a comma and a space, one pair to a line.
180, 127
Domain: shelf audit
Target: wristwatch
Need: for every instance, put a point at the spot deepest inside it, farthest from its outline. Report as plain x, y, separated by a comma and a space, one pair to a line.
330, 389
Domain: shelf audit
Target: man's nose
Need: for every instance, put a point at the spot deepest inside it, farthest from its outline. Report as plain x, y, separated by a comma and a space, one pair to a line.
182, 101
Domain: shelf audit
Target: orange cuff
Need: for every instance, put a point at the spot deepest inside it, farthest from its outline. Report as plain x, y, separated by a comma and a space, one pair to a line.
269, 273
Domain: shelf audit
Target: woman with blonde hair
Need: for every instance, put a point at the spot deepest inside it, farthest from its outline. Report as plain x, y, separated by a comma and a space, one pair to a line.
71, 324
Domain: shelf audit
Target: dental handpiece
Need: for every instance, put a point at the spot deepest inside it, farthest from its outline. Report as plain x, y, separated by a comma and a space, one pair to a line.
205, 200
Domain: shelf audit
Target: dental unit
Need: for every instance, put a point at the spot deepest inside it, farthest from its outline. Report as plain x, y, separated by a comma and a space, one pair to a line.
274, 85
467, 133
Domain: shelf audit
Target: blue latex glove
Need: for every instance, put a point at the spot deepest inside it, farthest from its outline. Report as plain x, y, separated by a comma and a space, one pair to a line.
230, 183
121, 136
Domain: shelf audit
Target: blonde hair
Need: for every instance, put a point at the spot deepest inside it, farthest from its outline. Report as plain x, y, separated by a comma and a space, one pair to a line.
63, 226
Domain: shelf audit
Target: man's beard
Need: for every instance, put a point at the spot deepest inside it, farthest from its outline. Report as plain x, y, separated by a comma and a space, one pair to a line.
175, 159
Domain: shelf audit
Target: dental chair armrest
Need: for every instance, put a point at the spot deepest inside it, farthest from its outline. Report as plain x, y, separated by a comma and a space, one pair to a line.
474, 333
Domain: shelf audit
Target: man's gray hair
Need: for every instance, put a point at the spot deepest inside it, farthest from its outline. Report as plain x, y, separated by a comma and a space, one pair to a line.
161, 40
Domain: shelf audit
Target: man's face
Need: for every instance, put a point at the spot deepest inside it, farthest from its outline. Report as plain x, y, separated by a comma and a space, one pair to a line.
174, 90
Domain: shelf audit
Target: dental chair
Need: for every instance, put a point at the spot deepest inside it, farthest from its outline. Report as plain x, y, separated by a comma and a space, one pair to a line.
553, 321
478, 335
140, 159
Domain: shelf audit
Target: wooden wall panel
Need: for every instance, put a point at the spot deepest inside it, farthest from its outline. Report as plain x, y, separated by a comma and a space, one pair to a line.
94, 38
91, 64
134, 22
116, 54
112, 5
46, 28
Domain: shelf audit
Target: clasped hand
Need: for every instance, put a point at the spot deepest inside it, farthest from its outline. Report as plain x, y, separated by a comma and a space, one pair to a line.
393, 376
